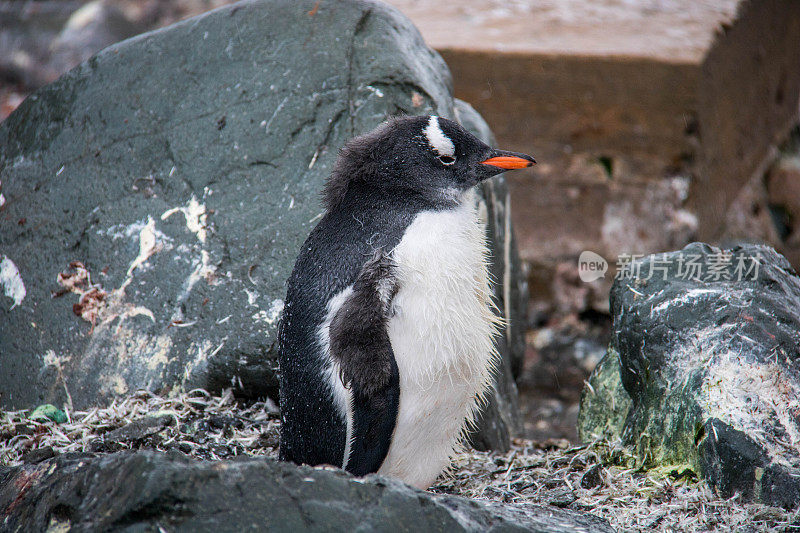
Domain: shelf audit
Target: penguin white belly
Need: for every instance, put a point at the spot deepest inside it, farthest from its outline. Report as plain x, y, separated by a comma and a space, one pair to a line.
442, 334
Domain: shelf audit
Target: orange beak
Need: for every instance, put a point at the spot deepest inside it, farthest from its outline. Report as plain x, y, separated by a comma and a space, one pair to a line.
509, 162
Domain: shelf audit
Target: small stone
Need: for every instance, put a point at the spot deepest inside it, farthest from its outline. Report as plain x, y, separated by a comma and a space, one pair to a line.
138, 430
562, 498
220, 450
100, 446
268, 440
38, 455
576, 464
594, 477
224, 422
553, 482
48, 412
176, 453
23, 429
522, 483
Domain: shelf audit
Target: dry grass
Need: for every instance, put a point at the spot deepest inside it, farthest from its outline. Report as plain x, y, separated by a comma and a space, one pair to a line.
200, 425
216, 427
630, 499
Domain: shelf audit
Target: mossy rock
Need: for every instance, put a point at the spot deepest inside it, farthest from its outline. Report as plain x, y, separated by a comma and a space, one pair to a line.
703, 372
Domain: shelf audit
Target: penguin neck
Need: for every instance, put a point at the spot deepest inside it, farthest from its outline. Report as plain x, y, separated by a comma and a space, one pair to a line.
360, 196
454, 197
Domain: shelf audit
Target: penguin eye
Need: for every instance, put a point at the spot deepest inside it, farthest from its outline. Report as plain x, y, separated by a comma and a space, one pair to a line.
447, 160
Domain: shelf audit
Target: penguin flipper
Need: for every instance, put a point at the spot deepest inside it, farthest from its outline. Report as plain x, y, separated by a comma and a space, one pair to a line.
359, 343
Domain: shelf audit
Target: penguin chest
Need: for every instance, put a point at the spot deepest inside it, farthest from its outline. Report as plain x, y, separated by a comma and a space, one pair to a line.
441, 331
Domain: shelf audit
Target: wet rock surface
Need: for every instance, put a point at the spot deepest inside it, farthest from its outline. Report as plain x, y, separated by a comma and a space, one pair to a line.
151, 215
168, 491
704, 369
171, 198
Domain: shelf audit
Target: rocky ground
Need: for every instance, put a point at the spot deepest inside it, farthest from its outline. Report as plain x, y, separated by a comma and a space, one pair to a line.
561, 352
598, 478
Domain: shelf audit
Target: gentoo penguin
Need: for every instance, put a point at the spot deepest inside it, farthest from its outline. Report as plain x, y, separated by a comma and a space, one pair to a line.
386, 339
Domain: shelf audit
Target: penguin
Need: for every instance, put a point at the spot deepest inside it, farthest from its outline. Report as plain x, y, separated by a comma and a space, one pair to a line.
386, 343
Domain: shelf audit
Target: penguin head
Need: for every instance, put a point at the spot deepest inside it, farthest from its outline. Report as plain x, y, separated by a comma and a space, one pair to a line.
427, 156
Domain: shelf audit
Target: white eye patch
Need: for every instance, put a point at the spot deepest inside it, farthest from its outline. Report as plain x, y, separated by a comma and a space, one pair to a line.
440, 142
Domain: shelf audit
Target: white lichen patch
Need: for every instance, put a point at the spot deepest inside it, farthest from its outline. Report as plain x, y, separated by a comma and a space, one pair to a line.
272, 315
136, 353
252, 298
122, 231
95, 305
196, 222
199, 360
91, 296
128, 354
118, 308
151, 241
203, 269
11, 281
148, 245
688, 297
51, 359
758, 399
116, 384
196, 218
158, 359
377, 92
275, 309
58, 361
136, 310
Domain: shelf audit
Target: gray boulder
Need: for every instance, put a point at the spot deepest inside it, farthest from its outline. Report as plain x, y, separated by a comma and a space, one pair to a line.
170, 492
703, 372
155, 197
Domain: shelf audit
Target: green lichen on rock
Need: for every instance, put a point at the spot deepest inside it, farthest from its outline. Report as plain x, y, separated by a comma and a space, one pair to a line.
708, 367
658, 430
663, 427
604, 402
49, 412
